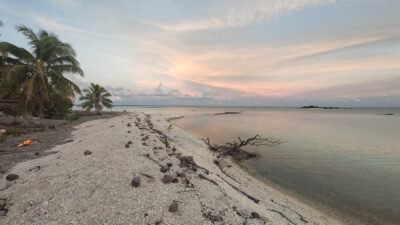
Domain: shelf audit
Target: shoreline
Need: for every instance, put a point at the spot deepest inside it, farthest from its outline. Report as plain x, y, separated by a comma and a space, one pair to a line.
290, 195
330, 210
73, 180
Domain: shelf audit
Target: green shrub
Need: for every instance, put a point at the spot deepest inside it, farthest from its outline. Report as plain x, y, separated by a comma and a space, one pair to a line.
59, 108
74, 116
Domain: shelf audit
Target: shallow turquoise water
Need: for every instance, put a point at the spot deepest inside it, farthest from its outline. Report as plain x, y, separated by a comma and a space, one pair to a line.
347, 161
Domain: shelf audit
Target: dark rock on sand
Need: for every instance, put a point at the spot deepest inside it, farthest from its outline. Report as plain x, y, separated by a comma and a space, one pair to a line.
3, 212
188, 162
213, 217
128, 144
173, 207
11, 177
255, 215
145, 138
182, 175
87, 152
135, 181
167, 179
163, 169
3, 207
3, 203
187, 183
169, 164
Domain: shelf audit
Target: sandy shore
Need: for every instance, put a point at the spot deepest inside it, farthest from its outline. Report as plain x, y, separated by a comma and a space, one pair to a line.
74, 187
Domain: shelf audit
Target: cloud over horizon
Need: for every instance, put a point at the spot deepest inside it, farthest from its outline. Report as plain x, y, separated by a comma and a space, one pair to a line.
254, 52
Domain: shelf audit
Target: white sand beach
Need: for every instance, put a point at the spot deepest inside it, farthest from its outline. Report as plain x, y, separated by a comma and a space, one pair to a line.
71, 187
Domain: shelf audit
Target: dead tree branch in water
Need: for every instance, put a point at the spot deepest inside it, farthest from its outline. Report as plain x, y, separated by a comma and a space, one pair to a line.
235, 150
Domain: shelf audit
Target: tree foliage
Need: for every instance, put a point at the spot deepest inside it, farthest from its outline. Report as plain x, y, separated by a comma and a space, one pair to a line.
38, 77
95, 97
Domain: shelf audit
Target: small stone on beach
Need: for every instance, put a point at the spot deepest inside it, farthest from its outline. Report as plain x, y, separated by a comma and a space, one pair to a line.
255, 215
163, 169
135, 181
178, 174
87, 152
11, 177
3, 213
167, 179
174, 206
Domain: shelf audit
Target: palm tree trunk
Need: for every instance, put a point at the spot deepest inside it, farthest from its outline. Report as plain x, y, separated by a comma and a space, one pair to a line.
41, 106
25, 110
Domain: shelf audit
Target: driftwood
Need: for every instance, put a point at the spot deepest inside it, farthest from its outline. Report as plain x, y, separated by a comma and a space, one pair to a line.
255, 200
221, 168
201, 176
234, 149
283, 215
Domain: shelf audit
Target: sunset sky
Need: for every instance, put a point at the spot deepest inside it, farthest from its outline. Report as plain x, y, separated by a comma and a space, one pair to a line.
227, 52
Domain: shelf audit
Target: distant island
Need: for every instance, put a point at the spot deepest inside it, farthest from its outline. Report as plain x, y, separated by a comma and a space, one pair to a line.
226, 113
317, 107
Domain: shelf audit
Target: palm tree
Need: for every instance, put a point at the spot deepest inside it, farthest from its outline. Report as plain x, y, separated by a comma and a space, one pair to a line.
96, 97
40, 72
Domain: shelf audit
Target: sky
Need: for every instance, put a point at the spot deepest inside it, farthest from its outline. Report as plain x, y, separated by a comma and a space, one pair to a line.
226, 52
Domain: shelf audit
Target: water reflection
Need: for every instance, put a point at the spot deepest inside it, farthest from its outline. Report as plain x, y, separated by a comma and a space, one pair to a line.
346, 159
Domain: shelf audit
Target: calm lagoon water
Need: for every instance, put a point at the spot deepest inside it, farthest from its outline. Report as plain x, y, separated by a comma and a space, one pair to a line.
346, 161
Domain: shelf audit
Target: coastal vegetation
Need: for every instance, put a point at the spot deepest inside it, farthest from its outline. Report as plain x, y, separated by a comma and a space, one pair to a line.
37, 78
95, 97
318, 107
37, 82
226, 113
